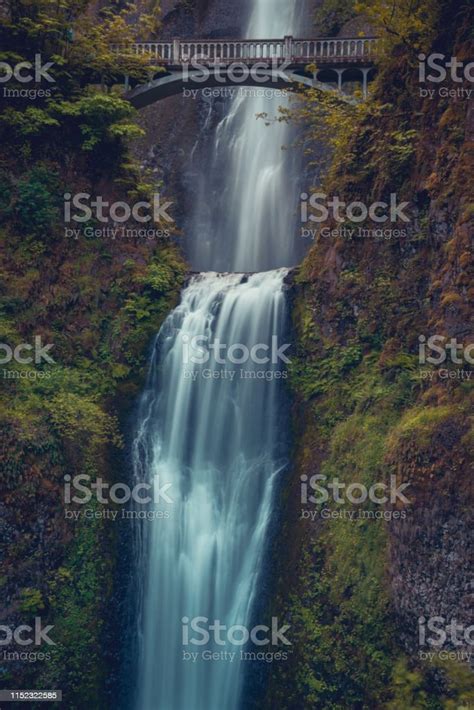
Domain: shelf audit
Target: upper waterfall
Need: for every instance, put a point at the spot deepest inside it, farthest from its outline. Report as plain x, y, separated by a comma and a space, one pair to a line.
246, 208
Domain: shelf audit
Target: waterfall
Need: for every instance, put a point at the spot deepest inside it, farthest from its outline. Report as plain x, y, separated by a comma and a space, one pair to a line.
244, 214
207, 424
214, 440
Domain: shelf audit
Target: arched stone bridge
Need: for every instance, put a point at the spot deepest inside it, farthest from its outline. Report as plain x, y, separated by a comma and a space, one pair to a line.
274, 63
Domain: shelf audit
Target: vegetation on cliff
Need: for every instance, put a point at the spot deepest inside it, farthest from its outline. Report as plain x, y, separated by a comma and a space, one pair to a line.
353, 589
97, 298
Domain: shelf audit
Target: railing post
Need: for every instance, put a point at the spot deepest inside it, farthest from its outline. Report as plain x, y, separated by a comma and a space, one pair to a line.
288, 46
176, 50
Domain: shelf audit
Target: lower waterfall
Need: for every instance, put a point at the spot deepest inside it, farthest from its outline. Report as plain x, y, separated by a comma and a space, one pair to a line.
208, 438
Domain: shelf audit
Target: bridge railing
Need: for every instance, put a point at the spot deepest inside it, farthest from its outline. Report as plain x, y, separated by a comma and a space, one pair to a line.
324, 50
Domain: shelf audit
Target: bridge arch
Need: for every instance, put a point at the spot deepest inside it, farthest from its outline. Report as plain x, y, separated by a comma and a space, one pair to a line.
195, 64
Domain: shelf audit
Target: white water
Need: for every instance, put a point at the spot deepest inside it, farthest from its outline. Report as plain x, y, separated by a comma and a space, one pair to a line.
249, 191
217, 440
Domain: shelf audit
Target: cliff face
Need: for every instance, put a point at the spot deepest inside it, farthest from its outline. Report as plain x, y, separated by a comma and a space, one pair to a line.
204, 18
94, 295
368, 409
176, 126
84, 296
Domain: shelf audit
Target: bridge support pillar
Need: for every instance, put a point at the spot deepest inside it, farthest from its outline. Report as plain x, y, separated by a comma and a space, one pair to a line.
339, 73
365, 80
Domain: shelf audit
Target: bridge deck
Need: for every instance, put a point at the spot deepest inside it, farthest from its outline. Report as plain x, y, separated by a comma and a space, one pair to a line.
323, 51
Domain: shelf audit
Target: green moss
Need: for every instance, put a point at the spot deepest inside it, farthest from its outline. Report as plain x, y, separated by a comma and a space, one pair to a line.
316, 376
420, 423
341, 616
76, 595
31, 600
343, 635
